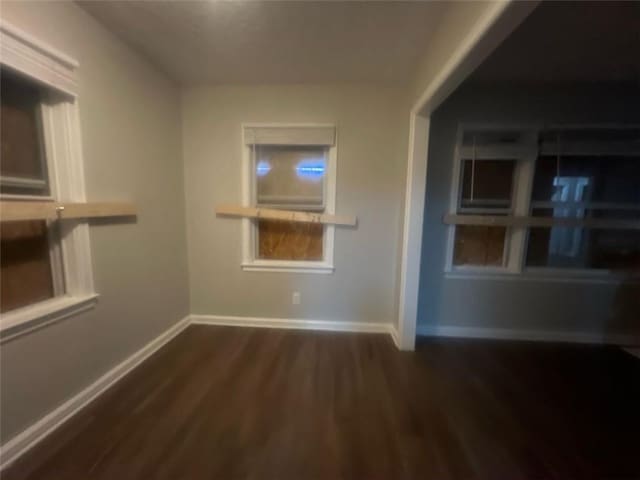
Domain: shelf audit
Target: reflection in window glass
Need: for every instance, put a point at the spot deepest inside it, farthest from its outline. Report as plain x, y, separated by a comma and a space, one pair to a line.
597, 249
611, 179
487, 183
582, 187
26, 275
23, 166
290, 176
583, 248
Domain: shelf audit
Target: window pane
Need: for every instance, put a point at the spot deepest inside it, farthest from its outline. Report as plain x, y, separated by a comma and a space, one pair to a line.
281, 240
26, 275
563, 247
22, 168
587, 179
291, 177
598, 249
492, 182
479, 245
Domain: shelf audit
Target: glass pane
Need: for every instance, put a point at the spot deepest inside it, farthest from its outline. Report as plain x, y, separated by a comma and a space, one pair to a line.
492, 183
291, 177
582, 248
281, 240
479, 245
587, 179
22, 169
26, 264
615, 249
563, 247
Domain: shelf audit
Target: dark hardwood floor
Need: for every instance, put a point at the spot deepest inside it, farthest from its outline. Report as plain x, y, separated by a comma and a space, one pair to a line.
227, 403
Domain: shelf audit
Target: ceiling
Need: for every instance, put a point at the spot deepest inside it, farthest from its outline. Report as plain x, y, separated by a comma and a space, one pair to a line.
275, 42
570, 42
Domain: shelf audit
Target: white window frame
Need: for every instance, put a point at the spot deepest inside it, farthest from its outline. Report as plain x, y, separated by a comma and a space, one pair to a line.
516, 238
249, 261
42, 63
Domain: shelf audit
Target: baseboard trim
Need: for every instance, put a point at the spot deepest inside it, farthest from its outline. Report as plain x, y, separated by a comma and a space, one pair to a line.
527, 335
27, 439
393, 331
21, 443
291, 323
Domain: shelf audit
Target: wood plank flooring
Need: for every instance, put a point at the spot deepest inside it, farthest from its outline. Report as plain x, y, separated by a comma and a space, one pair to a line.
230, 403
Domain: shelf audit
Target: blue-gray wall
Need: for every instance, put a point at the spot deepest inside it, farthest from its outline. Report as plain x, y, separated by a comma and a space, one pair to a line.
530, 307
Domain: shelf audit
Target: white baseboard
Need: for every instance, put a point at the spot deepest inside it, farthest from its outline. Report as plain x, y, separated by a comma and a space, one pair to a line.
296, 324
393, 331
21, 443
529, 335
28, 438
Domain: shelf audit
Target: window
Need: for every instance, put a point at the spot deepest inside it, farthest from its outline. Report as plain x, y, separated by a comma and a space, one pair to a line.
289, 167
24, 167
30, 250
597, 178
45, 265
486, 189
290, 177
583, 183
489, 165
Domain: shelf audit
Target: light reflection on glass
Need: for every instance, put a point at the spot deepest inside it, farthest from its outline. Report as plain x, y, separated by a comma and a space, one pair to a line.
566, 241
263, 168
311, 169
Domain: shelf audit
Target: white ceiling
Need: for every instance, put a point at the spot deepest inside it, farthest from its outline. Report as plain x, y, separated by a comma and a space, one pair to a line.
275, 42
570, 42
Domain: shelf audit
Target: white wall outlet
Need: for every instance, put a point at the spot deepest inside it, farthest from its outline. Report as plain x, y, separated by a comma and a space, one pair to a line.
295, 298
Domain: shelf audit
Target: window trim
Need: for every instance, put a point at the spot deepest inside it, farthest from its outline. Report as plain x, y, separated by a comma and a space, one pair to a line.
517, 238
65, 167
252, 264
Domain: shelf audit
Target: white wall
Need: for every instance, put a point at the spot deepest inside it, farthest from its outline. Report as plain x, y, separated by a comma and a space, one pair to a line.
459, 21
576, 307
130, 120
371, 131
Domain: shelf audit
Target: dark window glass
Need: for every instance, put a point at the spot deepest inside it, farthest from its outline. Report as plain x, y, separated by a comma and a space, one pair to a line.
487, 183
26, 275
602, 186
587, 179
23, 166
585, 248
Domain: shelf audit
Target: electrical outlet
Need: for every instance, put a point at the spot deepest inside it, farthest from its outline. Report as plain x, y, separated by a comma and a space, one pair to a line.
295, 298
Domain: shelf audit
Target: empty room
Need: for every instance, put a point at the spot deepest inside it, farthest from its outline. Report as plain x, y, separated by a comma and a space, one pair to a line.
319, 240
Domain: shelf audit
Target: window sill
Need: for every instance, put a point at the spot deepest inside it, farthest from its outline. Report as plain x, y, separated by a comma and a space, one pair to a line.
538, 275
287, 267
27, 319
